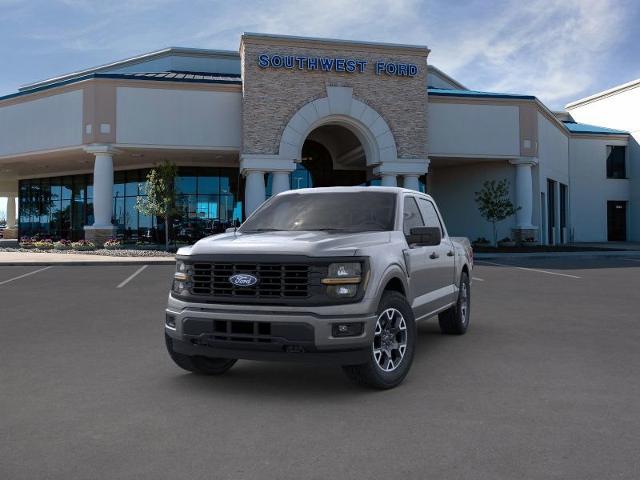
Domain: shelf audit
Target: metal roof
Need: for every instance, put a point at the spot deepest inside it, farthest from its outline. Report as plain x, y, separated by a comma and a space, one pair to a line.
145, 57
186, 77
444, 92
575, 127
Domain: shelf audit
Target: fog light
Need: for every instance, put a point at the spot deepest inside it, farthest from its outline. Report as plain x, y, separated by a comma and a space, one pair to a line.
342, 291
170, 321
347, 329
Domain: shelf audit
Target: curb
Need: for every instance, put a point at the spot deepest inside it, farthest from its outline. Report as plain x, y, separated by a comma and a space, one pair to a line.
85, 263
593, 254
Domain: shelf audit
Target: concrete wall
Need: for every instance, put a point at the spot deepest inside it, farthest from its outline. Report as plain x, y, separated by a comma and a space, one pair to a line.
590, 189
190, 118
460, 129
620, 110
454, 189
44, 123
553, 157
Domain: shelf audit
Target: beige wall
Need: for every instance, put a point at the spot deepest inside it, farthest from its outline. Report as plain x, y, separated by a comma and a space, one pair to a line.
460, 129
169, 117
49, 122
272, 96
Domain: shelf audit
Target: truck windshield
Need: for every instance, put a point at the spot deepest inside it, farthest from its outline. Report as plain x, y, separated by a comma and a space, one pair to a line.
326, 211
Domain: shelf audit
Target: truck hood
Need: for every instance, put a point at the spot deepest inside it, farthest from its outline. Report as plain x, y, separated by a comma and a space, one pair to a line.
309, 243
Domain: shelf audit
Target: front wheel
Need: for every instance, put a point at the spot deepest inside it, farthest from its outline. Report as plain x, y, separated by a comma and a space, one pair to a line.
392, 347
455, 320
196, 364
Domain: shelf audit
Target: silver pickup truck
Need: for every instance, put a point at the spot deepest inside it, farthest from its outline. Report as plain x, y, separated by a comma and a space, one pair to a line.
338, 275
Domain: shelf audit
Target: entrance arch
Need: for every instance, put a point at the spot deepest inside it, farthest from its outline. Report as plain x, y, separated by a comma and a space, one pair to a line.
340, 108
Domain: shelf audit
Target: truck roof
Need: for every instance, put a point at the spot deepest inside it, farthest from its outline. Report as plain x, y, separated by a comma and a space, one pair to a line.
349, 189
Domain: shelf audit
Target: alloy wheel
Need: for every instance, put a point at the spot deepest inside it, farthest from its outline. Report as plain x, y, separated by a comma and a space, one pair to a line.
390, 340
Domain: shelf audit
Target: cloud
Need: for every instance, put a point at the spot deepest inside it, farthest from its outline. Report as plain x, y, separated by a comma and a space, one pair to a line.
547, 48
556, 49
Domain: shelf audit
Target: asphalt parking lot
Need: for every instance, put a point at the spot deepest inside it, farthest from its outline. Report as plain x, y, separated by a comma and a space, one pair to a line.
544, 385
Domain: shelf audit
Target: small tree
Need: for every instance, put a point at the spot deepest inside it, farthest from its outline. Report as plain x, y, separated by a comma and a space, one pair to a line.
494, 203
160, 193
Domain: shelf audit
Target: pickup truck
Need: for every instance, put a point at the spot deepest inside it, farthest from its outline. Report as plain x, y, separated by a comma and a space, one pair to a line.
337, 275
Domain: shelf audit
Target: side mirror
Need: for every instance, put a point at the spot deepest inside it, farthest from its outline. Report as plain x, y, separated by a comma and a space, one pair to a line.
424, 236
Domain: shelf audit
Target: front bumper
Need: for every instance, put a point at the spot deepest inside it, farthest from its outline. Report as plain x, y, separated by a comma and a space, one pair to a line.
268, 332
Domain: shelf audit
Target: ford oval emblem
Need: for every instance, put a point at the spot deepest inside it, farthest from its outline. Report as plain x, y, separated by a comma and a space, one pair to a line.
243, 280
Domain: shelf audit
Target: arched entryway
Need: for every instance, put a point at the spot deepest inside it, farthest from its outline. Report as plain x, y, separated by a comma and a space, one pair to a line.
334, 156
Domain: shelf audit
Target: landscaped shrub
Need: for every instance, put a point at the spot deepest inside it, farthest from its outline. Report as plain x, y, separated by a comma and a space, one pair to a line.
83, 245
481, 241
26, 242
62, 245
43, 244
113, 244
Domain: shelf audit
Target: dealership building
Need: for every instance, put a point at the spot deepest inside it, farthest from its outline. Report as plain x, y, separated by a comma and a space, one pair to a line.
290, 112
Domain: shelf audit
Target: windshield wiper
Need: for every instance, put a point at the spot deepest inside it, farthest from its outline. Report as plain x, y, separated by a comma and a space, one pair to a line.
260, 230
326, 230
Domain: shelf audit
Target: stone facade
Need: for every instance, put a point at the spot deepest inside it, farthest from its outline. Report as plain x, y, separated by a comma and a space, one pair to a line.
272, 96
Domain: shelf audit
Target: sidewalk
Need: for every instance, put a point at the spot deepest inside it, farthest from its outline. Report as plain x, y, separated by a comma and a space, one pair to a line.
32, 258
592, 253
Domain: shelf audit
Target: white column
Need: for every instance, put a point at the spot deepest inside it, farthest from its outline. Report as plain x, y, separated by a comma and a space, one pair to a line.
103, 190
280, 182
11, 211
411, 182
389, 180
254, 192
524, 192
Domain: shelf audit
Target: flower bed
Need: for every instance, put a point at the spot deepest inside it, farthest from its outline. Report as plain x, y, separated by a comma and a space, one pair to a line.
83, 245
62, 245
113, 244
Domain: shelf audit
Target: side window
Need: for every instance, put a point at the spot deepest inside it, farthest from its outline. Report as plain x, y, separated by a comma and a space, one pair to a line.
412, 217
430, 215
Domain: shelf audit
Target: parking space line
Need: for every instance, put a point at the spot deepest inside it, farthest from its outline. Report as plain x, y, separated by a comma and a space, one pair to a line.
25, 275
132, 276
529, 269
476, 279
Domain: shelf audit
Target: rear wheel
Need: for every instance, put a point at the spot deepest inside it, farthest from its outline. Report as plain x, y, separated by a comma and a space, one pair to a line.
392, 347
455, 320
197, 364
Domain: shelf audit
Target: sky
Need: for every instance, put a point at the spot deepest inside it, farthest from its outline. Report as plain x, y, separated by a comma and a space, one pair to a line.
557, 50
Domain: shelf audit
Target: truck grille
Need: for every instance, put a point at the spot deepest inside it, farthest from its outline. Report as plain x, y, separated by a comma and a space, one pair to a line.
274, 280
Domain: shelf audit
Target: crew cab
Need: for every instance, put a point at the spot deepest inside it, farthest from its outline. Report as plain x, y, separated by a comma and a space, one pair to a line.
337, 275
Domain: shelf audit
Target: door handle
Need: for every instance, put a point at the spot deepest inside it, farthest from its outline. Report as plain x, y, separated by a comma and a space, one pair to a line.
450, 253
433, 255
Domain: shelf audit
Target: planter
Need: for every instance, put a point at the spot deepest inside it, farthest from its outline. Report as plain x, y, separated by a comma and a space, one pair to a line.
507, 244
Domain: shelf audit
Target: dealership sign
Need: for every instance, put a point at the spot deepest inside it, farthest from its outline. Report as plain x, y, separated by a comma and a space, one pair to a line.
332, 64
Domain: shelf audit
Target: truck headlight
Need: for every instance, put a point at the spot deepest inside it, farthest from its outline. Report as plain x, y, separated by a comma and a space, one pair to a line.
343, 279
181, 278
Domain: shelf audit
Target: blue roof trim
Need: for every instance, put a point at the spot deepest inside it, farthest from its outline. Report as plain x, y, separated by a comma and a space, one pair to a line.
227, 79
444, 92
575, 127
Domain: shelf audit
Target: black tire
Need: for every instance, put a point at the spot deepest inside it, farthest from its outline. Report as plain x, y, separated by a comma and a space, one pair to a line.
455, 320
372, 373
199, 365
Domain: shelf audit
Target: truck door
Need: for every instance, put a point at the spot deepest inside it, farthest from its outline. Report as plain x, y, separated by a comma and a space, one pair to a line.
441, 260
417, 259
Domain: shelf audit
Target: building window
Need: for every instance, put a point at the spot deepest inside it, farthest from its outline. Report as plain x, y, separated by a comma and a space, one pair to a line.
208, 202
616, 161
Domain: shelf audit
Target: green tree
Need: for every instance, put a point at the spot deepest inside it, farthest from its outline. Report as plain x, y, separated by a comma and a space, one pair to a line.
494, 203
160, 199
